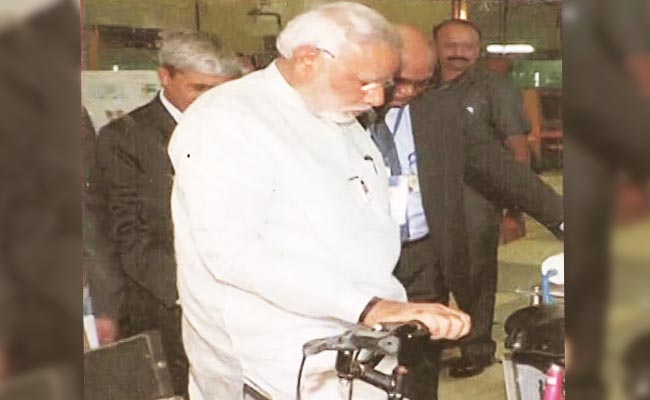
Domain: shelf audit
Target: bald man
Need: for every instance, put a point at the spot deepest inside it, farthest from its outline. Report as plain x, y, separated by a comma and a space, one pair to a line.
424, 143
393, 135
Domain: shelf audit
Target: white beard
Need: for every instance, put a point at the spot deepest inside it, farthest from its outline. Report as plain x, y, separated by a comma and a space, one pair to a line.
341, 118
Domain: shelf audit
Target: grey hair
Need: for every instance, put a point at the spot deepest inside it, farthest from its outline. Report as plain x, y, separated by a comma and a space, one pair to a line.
333, 25
196, 51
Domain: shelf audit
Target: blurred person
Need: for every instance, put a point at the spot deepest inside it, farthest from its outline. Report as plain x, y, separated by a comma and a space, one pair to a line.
40, 196
281, 216
606, 120
137, 291
636, 362
423, 135
495, 106
4, 365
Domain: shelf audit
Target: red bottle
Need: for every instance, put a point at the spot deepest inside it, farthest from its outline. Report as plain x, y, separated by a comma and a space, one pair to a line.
554, 389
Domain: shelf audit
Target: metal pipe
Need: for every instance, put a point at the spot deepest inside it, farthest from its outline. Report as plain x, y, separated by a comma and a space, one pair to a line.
456, 6
256, 12
197, 15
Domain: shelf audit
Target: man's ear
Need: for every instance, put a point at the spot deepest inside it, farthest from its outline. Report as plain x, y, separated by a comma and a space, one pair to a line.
164, 75
308, 60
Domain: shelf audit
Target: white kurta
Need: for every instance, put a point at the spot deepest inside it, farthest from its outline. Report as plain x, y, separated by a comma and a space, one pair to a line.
282, 234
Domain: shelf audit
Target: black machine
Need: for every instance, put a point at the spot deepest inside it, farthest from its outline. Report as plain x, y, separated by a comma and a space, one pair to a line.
536, 335
534, 348
131, 369
360, 349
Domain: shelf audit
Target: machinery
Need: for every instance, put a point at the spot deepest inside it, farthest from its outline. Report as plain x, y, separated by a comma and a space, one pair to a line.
533, 363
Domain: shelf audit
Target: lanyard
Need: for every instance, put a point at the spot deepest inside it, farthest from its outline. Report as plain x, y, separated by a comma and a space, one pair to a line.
412, 160
398, 120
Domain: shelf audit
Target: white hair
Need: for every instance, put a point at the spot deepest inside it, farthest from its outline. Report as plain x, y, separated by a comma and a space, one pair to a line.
196, 51
331, 26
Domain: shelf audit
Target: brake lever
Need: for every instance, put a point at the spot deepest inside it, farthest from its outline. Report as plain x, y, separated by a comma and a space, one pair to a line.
381, 339
404, 340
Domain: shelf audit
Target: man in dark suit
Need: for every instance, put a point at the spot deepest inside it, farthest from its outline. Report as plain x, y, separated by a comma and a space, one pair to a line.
495, 107
436, 146
134, 171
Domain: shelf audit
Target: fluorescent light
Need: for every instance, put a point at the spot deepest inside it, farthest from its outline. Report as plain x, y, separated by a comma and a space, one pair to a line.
510, 48
463, 10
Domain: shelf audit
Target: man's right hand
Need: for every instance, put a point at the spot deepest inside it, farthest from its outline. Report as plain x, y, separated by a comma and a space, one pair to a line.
107, 330
443, 322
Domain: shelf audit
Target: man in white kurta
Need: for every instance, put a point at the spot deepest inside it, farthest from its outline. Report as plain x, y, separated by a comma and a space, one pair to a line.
282, 226
278, 242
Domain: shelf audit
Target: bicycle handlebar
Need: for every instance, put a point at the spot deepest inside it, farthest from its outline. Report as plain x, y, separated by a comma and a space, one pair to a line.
404, 340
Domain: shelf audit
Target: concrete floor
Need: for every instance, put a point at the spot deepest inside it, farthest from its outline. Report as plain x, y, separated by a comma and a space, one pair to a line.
519, 267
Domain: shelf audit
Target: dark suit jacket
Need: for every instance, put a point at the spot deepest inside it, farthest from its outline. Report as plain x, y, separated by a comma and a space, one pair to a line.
136, 173
100, 260
458, 154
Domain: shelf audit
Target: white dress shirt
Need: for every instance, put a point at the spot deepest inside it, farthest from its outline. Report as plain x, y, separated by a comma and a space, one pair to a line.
171, 109
398, 121
282, 235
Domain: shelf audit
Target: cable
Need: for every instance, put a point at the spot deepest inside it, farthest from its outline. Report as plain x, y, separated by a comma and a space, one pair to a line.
350, 389
299, 382
356, 357
302, 365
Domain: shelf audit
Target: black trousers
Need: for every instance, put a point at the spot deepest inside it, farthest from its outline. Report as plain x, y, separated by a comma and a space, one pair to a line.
482, 221
142, 311
420, 274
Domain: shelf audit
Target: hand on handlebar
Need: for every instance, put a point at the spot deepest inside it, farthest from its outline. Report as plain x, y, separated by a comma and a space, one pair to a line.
443, 322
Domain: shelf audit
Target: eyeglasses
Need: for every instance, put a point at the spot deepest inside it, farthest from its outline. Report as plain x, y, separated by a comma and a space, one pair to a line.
367, 86
418, 85
386, 85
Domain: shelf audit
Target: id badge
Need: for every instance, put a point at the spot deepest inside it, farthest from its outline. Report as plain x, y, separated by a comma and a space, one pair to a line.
414, 183
398, 193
